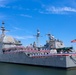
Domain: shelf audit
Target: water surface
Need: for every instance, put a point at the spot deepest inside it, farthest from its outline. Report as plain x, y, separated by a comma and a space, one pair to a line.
16, 69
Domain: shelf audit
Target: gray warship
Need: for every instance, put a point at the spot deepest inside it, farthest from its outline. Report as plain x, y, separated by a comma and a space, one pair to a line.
52, 54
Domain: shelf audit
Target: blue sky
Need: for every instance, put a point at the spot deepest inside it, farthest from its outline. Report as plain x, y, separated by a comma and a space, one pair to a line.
24, 17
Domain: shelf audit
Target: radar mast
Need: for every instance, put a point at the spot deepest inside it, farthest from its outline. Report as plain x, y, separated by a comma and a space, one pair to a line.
3, 29
37, 37
50, 36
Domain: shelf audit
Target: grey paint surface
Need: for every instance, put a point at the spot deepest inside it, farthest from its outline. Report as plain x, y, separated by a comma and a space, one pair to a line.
54, 61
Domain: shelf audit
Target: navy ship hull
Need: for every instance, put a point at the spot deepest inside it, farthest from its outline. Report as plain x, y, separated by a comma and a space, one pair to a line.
50, 61
12, 51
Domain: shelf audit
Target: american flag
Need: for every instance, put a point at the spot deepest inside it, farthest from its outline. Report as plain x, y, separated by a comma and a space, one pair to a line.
73, 41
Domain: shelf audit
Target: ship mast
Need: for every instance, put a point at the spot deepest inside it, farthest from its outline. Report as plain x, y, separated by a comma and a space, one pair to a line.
3, 29
37, 37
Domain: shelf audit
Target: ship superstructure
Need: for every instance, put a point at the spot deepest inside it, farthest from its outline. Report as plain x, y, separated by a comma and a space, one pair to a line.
53, 42
7, 42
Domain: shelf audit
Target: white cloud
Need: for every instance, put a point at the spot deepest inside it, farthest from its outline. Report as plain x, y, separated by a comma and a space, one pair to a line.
57, 10
27, 37
4, 3
60, 9
16, 28
23, 37
24, 15
19, 37
43, 12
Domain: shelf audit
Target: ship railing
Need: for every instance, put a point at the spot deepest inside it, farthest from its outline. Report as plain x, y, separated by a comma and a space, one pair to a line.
53, 54
43, 54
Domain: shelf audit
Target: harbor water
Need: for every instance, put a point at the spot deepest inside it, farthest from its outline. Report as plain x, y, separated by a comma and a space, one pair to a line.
16, 69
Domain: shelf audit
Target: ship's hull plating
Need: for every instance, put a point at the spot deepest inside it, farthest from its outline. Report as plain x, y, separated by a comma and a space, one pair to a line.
51, 61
